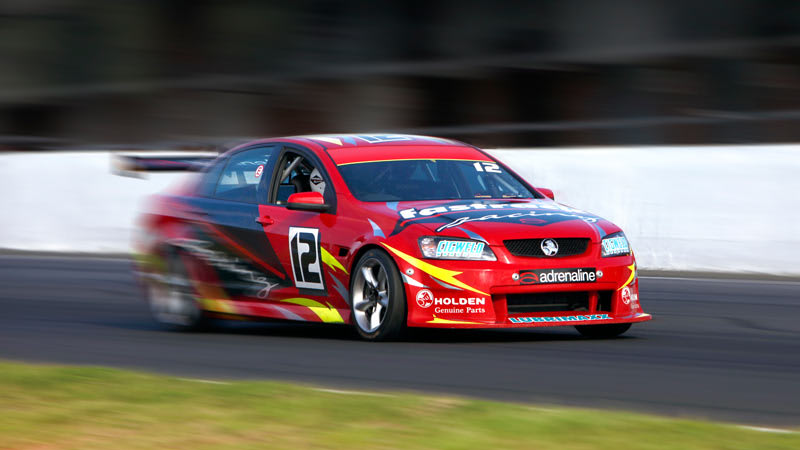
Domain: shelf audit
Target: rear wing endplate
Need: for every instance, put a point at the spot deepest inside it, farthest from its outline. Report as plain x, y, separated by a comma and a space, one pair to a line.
134, 165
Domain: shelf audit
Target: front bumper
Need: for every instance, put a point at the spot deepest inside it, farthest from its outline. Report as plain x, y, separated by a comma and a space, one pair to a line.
502, 294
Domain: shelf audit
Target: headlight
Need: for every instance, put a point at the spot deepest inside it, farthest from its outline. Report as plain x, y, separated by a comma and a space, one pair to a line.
453, 248
616, 245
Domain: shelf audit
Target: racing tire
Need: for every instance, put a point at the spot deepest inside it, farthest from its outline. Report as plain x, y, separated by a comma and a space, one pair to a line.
603, 331
377, 297
172, 300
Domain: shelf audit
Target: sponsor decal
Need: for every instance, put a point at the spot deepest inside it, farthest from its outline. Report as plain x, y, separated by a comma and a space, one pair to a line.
455, 214
412, 213
626, 295
259, 170
305, 254
316, 179
549, 247
262, 286
555, 276
424, 298
451, 305
615, 246
501, 217
579, 318
459, 249
632, 298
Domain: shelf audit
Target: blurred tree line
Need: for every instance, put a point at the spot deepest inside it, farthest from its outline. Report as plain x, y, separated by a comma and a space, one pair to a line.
562, 72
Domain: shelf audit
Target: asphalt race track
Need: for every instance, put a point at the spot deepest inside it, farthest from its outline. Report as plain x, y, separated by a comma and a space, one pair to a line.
722, 349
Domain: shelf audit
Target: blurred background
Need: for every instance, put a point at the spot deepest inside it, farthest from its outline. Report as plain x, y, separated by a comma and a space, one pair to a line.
82, 73
540, 83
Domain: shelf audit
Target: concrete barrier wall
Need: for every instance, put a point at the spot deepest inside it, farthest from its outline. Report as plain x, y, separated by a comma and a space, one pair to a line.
705, 208
70, 202
708, 208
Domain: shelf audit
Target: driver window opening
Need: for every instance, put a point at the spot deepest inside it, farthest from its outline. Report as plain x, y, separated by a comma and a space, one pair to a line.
297, 174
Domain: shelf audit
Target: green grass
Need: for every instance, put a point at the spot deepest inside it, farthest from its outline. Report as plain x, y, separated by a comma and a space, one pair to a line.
80, 407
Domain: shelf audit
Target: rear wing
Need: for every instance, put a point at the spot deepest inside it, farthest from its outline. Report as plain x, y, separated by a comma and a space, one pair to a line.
133, 165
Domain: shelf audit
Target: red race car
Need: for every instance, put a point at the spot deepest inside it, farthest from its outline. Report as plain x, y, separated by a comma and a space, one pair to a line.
382, 232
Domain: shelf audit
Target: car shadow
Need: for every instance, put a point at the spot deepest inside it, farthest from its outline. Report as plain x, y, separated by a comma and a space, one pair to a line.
412, 335
306, 330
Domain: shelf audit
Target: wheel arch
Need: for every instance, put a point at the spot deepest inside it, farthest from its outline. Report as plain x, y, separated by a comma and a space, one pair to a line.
360, 253
374, 246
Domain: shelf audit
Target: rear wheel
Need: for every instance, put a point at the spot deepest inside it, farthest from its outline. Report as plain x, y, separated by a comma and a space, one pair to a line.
172, 300
377, 297
603, 331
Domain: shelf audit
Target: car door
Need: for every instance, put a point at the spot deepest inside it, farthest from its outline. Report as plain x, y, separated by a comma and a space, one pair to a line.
307, 242
239, 260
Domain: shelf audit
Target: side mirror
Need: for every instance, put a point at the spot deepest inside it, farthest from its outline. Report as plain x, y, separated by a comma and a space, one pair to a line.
547, 193
307, 201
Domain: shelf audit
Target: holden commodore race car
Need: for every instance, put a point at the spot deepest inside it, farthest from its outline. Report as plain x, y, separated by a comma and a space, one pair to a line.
382, 232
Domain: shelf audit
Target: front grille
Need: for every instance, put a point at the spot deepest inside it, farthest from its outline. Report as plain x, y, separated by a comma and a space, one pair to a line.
547, 302
533, 247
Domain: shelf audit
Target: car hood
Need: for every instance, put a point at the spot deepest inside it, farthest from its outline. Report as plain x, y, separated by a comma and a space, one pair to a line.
493, 220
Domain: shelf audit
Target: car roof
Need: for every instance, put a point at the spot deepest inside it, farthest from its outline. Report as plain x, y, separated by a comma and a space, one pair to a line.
353, 155
360, 148
332, 141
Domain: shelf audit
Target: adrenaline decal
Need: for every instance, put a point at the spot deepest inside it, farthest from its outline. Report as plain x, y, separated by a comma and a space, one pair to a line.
553, 276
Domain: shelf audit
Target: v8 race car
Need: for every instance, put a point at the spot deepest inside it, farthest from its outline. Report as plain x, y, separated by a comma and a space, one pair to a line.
382, 232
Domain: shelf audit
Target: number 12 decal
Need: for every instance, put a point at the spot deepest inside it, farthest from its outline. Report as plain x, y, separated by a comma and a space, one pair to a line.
304, 251
487, 167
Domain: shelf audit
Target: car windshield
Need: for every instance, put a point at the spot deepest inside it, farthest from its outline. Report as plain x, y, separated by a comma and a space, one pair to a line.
430, 179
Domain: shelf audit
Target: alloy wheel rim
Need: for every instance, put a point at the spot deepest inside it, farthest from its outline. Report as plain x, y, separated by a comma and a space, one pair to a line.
370, 295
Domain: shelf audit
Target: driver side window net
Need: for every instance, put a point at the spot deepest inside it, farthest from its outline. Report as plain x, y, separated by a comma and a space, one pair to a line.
242, 176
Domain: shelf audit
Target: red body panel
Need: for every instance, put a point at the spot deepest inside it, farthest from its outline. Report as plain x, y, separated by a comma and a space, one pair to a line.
241, 276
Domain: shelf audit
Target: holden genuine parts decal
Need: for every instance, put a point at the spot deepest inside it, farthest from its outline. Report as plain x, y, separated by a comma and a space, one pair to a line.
458, 213
451, 305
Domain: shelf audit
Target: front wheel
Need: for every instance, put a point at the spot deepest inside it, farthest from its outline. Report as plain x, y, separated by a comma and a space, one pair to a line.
377, 297
603, 331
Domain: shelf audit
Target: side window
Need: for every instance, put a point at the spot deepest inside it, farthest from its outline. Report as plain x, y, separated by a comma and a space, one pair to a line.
241, 178
298, 174
208, 179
